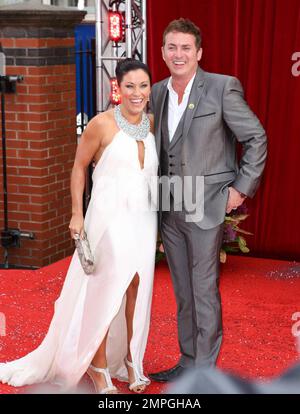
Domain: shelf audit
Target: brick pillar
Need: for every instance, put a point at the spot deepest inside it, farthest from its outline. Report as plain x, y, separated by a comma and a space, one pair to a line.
41, 128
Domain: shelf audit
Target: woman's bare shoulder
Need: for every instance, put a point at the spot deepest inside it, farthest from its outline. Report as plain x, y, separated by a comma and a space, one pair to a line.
101, 121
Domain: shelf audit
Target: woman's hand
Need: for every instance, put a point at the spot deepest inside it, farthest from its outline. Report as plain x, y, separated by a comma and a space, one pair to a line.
76, 225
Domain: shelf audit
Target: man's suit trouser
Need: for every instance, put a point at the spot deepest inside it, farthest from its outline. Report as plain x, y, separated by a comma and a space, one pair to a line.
193, 258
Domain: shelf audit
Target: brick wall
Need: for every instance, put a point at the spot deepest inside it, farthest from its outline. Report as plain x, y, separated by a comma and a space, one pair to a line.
41, 140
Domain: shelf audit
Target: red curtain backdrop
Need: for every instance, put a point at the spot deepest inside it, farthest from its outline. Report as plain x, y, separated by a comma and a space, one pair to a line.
253, 40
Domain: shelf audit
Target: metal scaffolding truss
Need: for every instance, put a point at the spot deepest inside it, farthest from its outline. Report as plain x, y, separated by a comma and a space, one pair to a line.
108, 53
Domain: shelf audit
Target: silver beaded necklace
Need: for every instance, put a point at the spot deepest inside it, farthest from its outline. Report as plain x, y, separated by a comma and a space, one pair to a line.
137, 132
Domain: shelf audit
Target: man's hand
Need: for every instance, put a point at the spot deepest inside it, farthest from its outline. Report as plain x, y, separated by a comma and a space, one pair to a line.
235, 200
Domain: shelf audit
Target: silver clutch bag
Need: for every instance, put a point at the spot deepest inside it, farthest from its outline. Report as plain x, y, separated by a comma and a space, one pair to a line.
84, 252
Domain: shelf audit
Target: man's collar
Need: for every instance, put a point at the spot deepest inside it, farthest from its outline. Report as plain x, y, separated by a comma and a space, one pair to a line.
187, 88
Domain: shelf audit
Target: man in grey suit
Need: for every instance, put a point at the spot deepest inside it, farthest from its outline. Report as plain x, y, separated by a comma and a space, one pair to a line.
199, 116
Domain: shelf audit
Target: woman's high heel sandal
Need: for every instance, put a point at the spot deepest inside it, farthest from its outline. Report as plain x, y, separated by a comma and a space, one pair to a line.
110, 388
138, 385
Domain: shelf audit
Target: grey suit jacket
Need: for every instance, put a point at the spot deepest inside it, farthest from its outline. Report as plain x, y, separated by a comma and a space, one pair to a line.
218, 117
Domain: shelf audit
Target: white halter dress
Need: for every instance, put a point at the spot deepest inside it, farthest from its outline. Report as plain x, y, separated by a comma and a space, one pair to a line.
121, 225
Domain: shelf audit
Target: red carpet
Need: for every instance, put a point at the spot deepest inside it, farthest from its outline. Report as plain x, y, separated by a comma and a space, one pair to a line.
259, 297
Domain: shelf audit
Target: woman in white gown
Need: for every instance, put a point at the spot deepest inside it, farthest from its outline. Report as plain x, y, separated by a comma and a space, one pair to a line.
101, 321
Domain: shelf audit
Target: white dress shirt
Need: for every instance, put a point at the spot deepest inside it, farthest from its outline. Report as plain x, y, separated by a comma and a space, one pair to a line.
176, 110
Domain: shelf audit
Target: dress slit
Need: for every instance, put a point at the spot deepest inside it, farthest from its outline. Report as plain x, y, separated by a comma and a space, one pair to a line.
123, 241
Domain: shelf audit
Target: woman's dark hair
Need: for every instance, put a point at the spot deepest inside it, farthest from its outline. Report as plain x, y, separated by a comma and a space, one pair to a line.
129, 64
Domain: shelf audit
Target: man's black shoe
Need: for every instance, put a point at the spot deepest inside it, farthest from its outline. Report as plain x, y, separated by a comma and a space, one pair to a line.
168, 375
